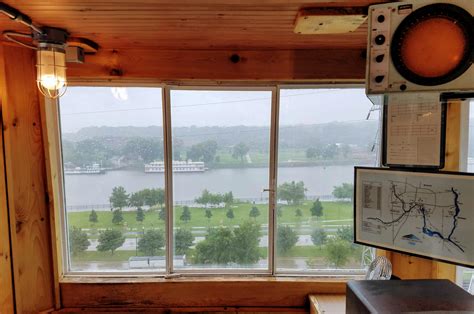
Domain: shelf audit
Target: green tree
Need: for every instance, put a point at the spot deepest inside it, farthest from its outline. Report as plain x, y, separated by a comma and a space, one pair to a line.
136, 199
254, 212
144, 149
205, 151
279, 211
204, 199
298, 213
345, 233
162, 214
246, 243
152, 197
338, 252
117, 217
119, 197
183, 241
140, 214
316, 209
217, 248
239, 151
330, 151
208, 215
151, 242
78, 241
344, 191
319, 237
110, 240
230, 213
185, 215
292, 192
228, 198
286, 239
93, 218
313, 152
216, 199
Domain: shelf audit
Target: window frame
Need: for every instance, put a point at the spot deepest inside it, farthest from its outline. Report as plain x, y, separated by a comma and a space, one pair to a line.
60, 238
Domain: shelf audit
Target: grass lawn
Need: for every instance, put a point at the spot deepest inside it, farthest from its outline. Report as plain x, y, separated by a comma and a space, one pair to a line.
310, 252
331, 211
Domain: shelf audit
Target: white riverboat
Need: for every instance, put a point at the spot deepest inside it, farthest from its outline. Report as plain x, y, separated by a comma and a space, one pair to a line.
178, 166
94, 169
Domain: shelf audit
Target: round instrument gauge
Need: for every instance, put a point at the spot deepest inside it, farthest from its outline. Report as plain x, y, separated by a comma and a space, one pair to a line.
434, 44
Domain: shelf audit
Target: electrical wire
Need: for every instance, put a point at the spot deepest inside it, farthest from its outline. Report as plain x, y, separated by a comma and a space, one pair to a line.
10, 34
19, 17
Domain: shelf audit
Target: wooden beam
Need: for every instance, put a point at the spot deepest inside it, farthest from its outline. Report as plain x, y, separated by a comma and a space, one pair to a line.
249, 65
409, 267
195, 292
25, 171
203, 310
6, 278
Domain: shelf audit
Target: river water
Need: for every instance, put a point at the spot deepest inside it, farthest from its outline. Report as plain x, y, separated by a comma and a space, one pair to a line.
243, 182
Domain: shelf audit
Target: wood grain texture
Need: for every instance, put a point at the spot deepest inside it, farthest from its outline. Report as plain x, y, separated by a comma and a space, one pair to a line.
214, 310
327, 303
254, 65
6, 275
409, 267
195, 292
53, 163
24, 159
188, 24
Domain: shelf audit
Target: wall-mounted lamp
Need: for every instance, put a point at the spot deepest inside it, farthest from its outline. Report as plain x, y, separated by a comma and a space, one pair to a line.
51, 70
51, 45
51, 62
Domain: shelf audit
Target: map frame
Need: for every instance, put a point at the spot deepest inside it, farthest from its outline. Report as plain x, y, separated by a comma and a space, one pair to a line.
360, 172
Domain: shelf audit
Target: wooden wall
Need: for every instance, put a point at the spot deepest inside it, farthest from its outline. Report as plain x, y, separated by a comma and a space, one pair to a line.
25, 182
252, 65
409, 267
6, 279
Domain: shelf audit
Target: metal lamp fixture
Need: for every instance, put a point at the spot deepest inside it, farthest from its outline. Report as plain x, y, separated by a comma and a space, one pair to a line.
51, 45
51, 62
51, 70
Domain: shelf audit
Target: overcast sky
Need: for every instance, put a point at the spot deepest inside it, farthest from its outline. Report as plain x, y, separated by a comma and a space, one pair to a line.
105, 106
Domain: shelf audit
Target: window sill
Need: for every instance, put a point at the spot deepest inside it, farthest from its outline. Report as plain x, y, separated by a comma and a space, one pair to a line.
228, 291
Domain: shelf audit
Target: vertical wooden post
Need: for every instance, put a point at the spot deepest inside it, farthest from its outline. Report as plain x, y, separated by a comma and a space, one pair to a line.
26, 180
6, 278
452, 160
409, 267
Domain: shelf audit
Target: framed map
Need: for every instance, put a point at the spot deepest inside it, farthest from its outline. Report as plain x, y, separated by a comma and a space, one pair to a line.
428, 214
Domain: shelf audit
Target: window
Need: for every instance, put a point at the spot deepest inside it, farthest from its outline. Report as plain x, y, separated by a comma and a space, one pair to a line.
323, 134
109, 135
221, 151
229, 180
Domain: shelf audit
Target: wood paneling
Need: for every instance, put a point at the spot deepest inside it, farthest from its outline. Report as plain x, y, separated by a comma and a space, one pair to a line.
6, 279
195, 292
24, 160
409, 267
268, 65
188, 24
195, 310
327, 303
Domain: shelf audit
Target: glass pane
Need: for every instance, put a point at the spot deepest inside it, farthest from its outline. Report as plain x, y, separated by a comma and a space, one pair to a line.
323, 135
221, 144
109, 135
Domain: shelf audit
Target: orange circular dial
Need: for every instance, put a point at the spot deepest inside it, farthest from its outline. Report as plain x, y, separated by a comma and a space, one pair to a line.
434, 47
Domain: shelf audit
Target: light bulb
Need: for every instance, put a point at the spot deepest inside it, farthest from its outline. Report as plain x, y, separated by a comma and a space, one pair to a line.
51, 70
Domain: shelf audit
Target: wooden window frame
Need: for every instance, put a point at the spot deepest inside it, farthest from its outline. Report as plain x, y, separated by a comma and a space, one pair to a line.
285, 289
